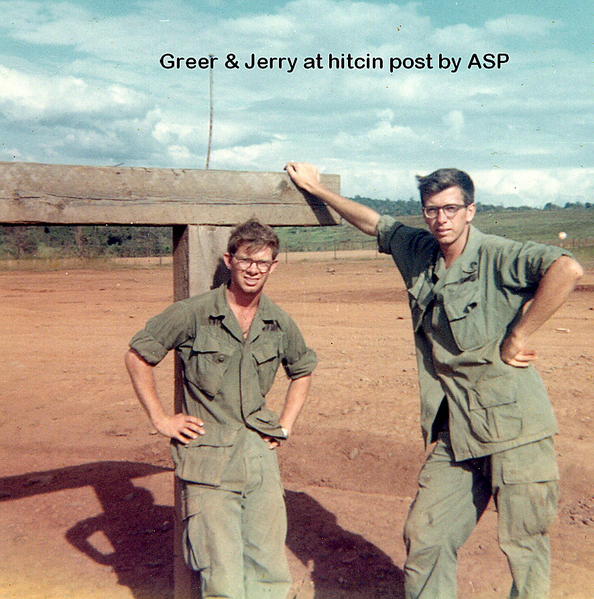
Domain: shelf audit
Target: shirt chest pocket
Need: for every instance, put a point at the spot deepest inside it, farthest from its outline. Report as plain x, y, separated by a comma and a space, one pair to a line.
267, 357
467, 314
209, 360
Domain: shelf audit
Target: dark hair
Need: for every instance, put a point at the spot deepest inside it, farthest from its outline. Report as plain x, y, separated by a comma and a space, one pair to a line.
445, 178
255, 235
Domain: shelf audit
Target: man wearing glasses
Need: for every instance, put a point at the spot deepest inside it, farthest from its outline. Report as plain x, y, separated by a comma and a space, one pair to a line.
475, 301
231, 342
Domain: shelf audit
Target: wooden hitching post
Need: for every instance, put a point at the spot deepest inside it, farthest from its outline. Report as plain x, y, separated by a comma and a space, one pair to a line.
201, 206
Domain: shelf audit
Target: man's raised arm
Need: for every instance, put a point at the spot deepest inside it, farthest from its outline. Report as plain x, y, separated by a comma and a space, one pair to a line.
307, 177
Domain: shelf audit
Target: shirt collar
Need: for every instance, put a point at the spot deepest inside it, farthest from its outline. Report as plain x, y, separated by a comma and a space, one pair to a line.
220, 305
469, 257
221, 310
466, 264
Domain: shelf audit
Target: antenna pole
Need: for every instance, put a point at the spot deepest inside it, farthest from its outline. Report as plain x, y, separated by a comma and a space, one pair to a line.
211, 111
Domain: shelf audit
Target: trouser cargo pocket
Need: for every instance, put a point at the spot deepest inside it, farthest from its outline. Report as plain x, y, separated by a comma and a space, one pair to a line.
203, 460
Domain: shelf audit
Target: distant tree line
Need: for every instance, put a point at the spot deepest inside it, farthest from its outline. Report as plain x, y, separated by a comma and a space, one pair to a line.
56, 241
413, 206
391, 207
569, 206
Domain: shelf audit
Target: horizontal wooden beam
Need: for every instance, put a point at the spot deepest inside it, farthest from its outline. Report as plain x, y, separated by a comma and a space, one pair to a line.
33, 193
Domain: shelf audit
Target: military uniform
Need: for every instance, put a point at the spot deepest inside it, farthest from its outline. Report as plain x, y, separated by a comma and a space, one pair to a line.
492, 422
232, 498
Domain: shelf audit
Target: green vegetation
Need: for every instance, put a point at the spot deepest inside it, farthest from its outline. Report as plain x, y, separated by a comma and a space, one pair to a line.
55, 242
523, 224
88, 242
541, 225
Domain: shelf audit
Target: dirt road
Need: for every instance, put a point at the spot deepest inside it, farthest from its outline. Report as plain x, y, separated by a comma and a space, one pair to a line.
86, 487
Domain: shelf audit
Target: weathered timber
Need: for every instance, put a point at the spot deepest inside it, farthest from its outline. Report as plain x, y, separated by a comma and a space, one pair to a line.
33, 193
200, 205
197, 267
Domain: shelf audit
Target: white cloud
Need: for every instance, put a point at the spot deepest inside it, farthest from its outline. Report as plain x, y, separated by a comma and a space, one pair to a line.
166, 132
461, 36
382, 135
270, 31
180, 155
80, 85
250, 157
25, 96
534, 187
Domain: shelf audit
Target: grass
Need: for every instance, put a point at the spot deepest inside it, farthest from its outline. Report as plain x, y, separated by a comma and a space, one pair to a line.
536, 225
542, 226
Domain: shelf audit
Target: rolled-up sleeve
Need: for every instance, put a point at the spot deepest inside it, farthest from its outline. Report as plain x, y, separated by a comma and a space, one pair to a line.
526, 263
384, 233
411, 248
164, 332
298, 360
303, 366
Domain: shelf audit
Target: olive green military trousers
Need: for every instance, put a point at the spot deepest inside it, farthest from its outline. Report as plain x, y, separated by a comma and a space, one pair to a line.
451, 498
236, 540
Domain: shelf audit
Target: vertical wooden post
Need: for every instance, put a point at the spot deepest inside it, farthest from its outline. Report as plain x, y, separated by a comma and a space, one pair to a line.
197, 268
198, 259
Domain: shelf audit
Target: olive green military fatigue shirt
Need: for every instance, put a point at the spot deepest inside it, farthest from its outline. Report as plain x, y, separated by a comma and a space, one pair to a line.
460, 316
225, 377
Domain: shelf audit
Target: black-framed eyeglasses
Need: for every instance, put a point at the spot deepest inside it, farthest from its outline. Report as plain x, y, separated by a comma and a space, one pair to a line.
263, 266
450, 210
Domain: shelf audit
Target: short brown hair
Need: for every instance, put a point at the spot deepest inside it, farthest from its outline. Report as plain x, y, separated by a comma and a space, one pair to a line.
255, 235
444, 178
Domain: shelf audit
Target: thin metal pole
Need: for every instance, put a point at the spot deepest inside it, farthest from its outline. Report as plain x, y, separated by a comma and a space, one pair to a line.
211, 113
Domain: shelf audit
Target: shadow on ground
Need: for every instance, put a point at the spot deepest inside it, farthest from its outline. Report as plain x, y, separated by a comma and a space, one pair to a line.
341, 564
140, 532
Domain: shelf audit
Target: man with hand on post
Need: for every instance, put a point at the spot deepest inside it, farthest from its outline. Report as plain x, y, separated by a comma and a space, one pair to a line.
475, 301
231, 342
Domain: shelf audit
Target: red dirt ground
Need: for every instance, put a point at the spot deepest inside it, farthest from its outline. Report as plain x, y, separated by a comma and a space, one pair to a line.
86, 486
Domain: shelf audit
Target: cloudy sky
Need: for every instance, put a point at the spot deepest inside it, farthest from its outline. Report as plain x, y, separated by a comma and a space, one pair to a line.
510, 101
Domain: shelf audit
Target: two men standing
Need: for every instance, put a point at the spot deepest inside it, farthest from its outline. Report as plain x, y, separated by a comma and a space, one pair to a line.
475, 301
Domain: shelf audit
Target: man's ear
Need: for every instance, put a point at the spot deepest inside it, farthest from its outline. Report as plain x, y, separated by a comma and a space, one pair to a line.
227, 259
470, 212
273, 266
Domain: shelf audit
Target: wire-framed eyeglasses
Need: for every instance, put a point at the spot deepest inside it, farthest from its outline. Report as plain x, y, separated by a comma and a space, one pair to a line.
263, 266
450, 210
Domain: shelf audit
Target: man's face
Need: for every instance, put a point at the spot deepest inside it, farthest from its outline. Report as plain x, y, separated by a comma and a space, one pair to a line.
449, 229
249, 269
